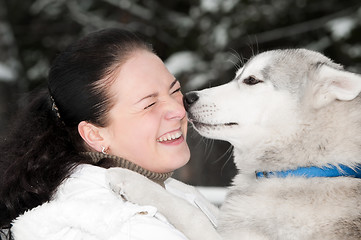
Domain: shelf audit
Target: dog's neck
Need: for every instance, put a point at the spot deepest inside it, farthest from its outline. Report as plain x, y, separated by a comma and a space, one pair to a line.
319, 141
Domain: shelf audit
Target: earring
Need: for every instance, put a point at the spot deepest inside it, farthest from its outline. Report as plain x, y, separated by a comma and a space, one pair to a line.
104, 150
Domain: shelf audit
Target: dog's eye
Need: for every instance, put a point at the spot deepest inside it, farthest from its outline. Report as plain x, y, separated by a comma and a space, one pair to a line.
251, 80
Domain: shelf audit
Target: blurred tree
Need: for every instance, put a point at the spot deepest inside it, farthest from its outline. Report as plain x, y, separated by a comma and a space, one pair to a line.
202, 41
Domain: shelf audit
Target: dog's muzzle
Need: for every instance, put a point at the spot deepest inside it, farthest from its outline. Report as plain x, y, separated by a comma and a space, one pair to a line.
189, 99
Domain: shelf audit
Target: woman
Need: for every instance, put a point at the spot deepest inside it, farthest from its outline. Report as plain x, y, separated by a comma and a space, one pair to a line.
110, 102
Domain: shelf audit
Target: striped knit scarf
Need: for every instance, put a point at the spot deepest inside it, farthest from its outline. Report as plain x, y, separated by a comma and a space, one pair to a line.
123, 163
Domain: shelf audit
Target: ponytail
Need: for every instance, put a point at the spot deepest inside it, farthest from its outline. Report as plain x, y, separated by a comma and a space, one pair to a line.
35, 158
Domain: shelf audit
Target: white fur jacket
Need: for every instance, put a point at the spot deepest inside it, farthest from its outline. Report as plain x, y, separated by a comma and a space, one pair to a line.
85, 207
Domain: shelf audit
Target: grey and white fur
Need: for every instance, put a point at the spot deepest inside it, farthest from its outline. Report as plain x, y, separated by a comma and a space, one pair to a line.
283, 110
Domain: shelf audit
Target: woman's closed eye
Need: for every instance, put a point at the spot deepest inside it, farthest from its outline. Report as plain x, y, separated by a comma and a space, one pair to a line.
177, 90
150, 105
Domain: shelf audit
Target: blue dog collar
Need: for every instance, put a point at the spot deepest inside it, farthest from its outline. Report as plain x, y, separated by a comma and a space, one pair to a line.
309, 172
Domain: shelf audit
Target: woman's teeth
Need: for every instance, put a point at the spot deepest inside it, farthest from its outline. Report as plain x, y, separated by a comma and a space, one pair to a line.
169, 137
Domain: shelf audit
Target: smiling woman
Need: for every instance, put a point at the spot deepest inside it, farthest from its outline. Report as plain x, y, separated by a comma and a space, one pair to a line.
110, 103
144, 119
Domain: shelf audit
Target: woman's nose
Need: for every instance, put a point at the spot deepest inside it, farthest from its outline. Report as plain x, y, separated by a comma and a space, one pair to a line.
175, 110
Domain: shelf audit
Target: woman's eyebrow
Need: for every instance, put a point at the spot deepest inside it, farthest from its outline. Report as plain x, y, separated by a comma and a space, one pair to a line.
173, 83
148, 96
156, 94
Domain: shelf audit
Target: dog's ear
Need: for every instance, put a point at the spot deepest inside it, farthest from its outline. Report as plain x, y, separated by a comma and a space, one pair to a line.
334, 84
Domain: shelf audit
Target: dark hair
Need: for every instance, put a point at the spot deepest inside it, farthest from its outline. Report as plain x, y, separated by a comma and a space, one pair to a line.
44, 144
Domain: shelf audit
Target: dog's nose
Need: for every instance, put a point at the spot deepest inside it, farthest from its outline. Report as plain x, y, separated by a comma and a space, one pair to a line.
189, 99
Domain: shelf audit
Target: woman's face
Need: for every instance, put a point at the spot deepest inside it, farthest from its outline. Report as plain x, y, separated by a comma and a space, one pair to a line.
147, 124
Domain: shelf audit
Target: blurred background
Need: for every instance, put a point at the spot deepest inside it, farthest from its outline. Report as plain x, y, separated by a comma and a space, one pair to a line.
201, 41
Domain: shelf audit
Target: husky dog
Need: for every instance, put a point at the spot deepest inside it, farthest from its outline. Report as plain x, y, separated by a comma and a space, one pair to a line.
294, 119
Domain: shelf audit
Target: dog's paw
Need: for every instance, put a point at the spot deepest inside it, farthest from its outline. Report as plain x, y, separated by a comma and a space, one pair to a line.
138, 189
131, 186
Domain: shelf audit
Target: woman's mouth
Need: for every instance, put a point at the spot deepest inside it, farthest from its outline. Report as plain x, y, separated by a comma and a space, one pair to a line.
170, 137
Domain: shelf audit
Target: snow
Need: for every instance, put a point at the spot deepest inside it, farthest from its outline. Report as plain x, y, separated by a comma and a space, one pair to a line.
341, 27
180, 62
199, 80
6, 73
221, 34
353, 50
190, 63
215, 6
210, 5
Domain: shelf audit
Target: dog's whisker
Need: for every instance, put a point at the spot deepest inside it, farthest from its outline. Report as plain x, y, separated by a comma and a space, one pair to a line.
229, 150
251, 44
208, 147
237, 61
211, 147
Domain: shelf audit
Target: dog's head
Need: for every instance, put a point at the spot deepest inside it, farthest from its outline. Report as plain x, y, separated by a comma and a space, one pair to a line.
269, 96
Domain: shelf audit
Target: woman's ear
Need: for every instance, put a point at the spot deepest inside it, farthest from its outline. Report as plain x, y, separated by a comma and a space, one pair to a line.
91, 135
